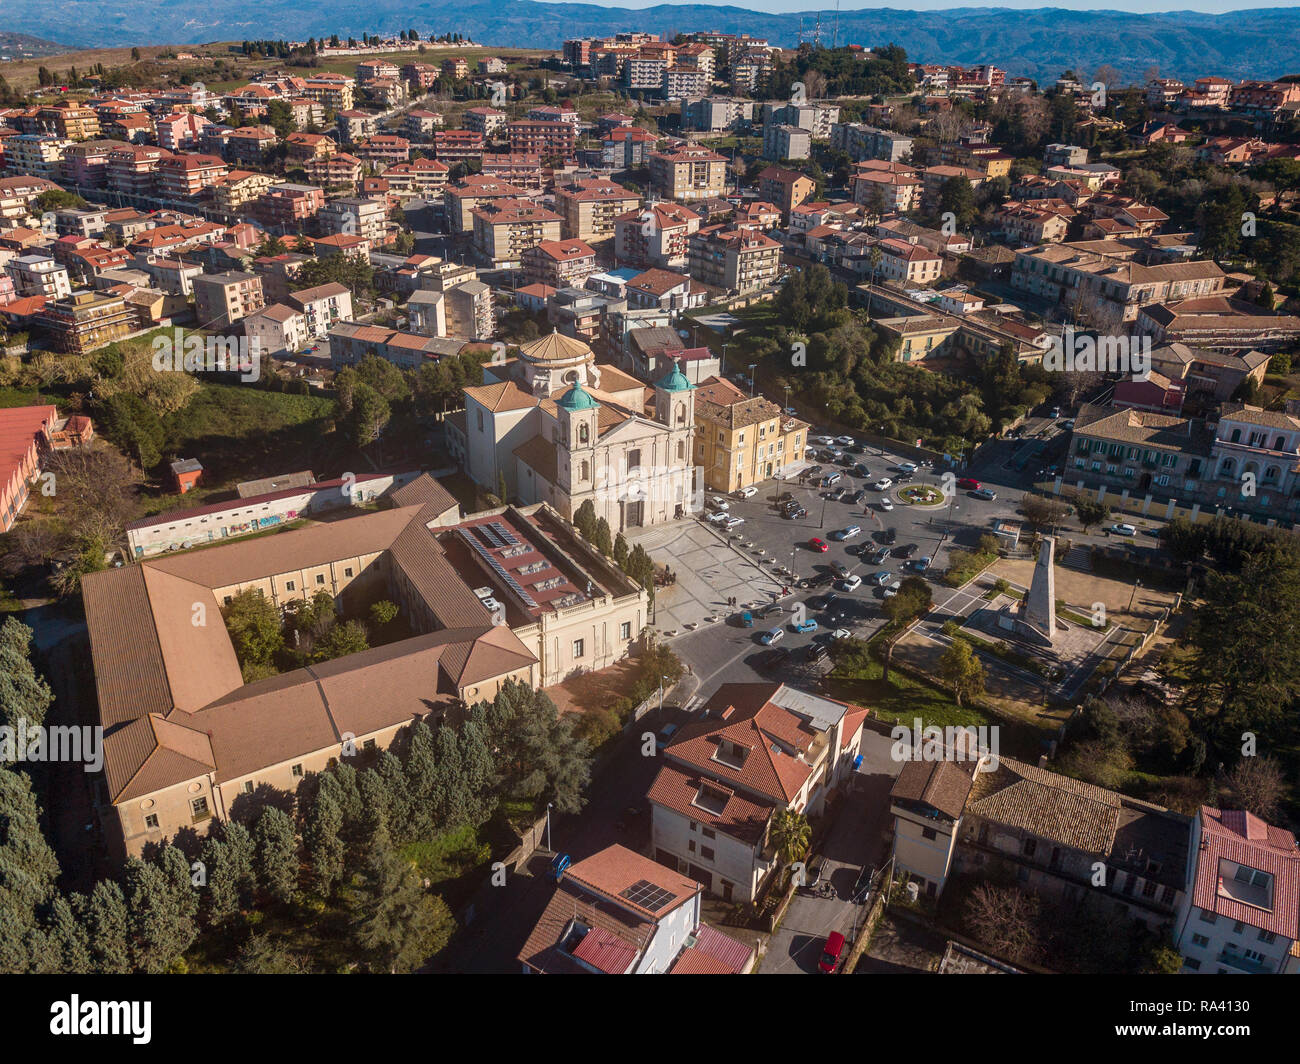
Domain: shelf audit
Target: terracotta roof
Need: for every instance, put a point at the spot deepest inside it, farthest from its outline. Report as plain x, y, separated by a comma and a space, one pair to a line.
944, 785
1241, 838
1047, 805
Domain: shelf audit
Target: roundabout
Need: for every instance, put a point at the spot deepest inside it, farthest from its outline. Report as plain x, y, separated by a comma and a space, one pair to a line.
921, 495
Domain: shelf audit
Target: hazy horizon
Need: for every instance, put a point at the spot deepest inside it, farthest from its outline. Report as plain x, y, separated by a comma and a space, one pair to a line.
791, 7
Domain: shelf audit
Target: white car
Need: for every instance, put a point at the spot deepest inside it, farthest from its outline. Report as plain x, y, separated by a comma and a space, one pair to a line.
732, 523
883, 484
745, 493
717, 517
820, 441
845, 441
886, 504
841, 633
719, 503
892, 589
851, 582
907, 467
1123, 530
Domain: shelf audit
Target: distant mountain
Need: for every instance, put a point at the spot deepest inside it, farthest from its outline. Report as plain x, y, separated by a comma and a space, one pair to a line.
21, 46
1039, 44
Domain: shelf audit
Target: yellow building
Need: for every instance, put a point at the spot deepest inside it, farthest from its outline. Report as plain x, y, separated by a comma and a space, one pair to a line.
741, 441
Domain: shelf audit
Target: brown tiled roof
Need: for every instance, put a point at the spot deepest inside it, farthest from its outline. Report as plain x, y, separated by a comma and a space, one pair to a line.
741, 818
1047, 805
424, 490
944, 785
539, 454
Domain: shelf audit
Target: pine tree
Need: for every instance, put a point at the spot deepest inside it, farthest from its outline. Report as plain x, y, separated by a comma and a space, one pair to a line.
104, 916
396, 926
158, 931
28, 870
397, 801
420, 770
239, 843
276, 860
68, 941
261, 955
176, 867
323, 838
221, 890
447, 801
24, 694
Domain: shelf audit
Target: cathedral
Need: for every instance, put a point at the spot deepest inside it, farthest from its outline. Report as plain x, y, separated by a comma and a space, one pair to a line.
557, 427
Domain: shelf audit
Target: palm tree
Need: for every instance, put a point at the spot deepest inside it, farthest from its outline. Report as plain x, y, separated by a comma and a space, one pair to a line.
790, 835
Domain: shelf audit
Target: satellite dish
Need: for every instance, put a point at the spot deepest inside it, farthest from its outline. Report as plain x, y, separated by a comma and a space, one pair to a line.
683, 334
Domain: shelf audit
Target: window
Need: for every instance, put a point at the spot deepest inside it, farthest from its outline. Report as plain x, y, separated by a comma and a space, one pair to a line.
320, 579
1029, 847
296, 771
1238, 928
347, 571
706, 852
579, 648
248, 786
227, 600
1200, 940
1208, 918
694, 826
690, 846
1192, 963
289, 586
709, 833
199, 808
151, 821
1267, 937
929, 833
625, 630
1167, 896
1149, 889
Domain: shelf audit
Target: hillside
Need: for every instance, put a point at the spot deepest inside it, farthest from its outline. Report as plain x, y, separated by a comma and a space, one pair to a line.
1036, 43
21, 46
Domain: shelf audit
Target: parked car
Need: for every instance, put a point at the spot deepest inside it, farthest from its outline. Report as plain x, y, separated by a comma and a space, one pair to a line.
903, 478
773, 659
890, 536
969, 484
860, 470
842, 534
819, 545
857, 497
986, 493
804, 626
830, 957
905, 551
881, 578
814, 653
839, 494
746, 619
845, 441
892, 589
857, 448
772, 609
790, 411
841, 633
665, 736
919, 565
830, 479
851, 582
717, 517
883, 484
874, 556
1123, 530
886, 505
719, 503
813, 471
797, 514
840, 569
732, 523
773, 636
821, 441
745, 493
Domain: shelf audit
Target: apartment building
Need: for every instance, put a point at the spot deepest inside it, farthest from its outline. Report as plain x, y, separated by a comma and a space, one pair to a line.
420, 124
737, 260
382, 150
547, 139
505, 228
420, 177
933, 178
590, 208
39, 275
70, 120
239, 188
24, 439
742, 441
185, 176
659, 235
222, 299
787, 189
355, 216
180, 131
35, 154
335, 92
678, 83
715, 114
559, 263
1103, 284
322, 307
786, 142
627, 147
885, 187
863, 142
85, 321
457, 145
690, 173
287, 207
17, 194
487, 121
1240, 912
757, 748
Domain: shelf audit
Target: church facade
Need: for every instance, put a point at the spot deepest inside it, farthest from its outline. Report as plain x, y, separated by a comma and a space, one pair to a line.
557, 427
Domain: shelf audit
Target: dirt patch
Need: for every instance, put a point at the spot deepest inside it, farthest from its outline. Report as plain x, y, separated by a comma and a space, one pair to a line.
1083, 589
594, 691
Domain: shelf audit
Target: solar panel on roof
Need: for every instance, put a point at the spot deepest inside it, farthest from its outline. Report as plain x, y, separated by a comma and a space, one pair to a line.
498, 568
489, 535
647, 895
507, 537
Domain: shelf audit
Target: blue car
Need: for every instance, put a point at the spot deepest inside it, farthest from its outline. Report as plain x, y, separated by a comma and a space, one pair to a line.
805, 626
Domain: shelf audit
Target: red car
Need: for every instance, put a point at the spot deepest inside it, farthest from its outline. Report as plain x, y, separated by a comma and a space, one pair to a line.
968, 484
831, 953
818, 545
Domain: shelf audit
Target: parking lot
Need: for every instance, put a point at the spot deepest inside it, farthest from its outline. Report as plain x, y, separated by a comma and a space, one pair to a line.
728, 652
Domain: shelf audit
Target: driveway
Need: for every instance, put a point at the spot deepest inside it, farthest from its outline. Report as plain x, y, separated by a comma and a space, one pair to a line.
855, 840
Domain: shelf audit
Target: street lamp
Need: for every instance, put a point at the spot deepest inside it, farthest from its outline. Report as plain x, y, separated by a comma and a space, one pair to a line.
549, 807
752, 367
1131, 597
722, 363
661, 694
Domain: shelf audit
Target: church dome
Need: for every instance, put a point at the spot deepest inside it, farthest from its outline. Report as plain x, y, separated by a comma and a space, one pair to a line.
577, 398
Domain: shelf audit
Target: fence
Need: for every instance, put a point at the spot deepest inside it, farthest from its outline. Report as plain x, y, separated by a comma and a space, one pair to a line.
869, 914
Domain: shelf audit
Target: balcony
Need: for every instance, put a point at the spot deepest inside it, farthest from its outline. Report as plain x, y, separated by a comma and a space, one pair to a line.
1243, 964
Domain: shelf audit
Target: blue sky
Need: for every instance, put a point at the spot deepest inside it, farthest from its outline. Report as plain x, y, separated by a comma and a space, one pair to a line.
1215, 6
